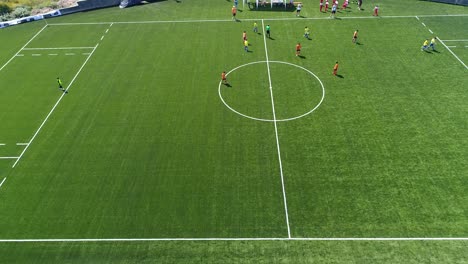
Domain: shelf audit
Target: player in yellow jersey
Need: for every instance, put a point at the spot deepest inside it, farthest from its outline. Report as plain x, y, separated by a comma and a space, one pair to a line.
433, 43
425, 45
306, 33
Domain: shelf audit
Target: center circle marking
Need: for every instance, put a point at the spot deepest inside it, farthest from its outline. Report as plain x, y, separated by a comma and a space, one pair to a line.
271, 120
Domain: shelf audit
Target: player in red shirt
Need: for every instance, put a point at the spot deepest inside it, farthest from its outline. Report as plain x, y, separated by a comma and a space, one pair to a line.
376, 11
223, 77
326, 5
321, 5
298, 49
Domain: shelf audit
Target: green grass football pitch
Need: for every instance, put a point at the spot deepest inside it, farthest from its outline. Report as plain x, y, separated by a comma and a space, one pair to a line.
148, 144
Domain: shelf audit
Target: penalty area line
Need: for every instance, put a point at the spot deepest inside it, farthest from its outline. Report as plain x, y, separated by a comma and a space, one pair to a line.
455, 55
55, 106
2, 182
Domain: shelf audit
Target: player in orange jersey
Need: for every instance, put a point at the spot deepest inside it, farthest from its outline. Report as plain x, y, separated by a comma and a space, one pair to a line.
355, 36
335, 69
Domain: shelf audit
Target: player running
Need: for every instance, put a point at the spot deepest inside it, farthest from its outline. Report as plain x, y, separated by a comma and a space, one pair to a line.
234, 13
433, 43
306, 33
425, 45
298, 49
355, 36
255, 27
60, 85
246, 45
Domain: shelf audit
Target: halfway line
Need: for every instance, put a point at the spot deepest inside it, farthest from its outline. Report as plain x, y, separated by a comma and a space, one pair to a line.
276, 133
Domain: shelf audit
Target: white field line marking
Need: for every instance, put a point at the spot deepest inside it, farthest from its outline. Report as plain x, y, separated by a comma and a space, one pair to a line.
69, 54
417, 18
451, 46
2, 182
102, 38
276, 133
61, 48
22, 144
455, 55
55, 240
107, 30
447, 40
20, 55
85, 53
423, 24
248, 19
430, 31
2, 144
36, 54
53, 54
8, 157
53, 108
4, 65
466, 46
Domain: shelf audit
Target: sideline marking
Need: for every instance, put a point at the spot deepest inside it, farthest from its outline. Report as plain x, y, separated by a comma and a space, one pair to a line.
4, 65
69, 54
447, 40
53, 54
247, 19
276, 133
235, 239
22, 144
2, 144
37, 54
8, 157
451, 46
53, 108
61, 48
2, 182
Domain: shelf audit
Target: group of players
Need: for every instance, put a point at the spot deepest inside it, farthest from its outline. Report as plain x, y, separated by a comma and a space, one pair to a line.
323, 8
298, 45
426, 45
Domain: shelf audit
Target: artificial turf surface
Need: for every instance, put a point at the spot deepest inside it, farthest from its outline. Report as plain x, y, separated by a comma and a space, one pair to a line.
142, 146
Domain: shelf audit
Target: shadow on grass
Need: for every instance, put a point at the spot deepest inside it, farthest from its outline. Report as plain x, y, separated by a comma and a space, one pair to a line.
340, 76
302, 56
227, 85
